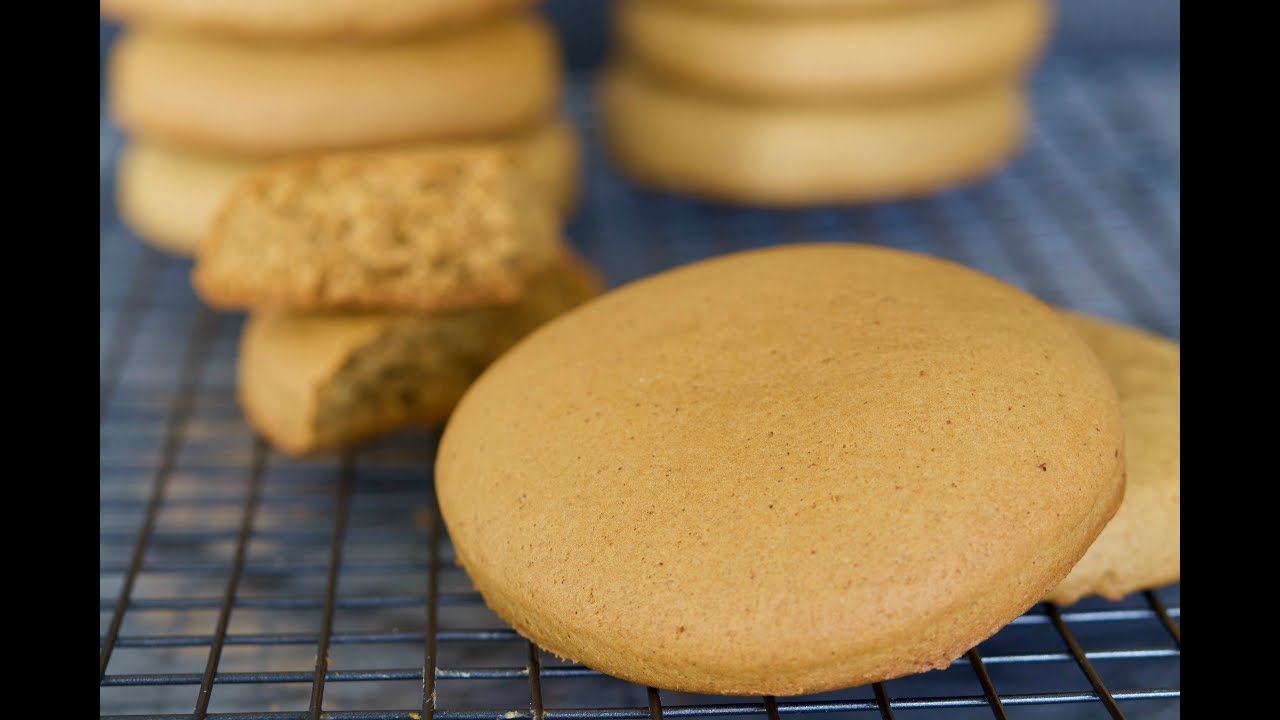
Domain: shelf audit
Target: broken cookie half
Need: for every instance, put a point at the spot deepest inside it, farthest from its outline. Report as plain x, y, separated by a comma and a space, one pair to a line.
310, 382
412, 231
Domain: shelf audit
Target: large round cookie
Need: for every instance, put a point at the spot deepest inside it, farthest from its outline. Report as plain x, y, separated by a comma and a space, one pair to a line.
268, 100
307, 20
867, 56
805, 154
169, 194
782, 471
1141, 546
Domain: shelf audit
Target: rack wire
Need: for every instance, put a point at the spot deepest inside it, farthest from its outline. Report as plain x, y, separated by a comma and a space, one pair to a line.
237, 584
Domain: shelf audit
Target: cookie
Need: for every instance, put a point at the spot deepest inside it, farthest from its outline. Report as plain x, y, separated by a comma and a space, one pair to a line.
268, 100
796, 155
1141, 546
868, 56
833, 8
310, 382
169, 194
304, 20
782, 471
417, 231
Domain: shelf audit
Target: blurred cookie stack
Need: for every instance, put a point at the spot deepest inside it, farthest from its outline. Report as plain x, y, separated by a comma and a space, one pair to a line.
800, 102
210, 91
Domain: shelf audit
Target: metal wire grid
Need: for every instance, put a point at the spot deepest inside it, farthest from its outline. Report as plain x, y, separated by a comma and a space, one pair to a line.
236, 583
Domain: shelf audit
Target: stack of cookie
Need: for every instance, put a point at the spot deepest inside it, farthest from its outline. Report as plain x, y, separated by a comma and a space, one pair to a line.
799, 102
380, 285
211, 90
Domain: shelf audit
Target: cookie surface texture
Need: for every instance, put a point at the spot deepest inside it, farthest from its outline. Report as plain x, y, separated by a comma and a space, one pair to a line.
307, 20
782, 471
870, 57
169, 194
1141, 547
311, 382
402, 230
788, 156
267, 100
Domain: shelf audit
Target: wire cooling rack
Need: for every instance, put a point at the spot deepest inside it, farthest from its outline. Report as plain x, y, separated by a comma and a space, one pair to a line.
237, 584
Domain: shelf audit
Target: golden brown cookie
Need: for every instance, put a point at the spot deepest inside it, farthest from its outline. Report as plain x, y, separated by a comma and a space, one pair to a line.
778, 155
169, 194
782, 471
402, 230
1141, 546
823, 58
307, 20
832, 8
268, 100
311, 382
